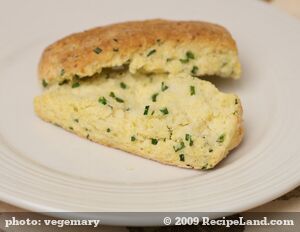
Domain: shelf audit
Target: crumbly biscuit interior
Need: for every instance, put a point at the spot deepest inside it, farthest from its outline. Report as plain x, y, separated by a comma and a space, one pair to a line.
174, 119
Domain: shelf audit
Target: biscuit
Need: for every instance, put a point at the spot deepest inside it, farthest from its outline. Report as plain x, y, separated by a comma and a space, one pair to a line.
152, 46
134, 86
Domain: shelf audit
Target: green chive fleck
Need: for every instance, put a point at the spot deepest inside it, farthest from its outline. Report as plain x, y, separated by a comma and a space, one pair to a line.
187, 137
45, 84
154, 141
102, 100
76, 77
205, 167
88, 136
97, 50
164, 110
76, 120
112, 94
115, 49
181, 146
62, 72
119, 100
194, 70
123, 85
65, 81
114, 39
221, 138
71, 128
75, 85
132, 138
146, 110
181, 157
192, 90
151, 52
108, 130
190, 55
169, 59
236, 101
154, 96
163, 86
210, 150
184, 61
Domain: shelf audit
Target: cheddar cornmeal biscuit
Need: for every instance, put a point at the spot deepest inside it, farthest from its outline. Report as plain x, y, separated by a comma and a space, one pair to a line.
135, 86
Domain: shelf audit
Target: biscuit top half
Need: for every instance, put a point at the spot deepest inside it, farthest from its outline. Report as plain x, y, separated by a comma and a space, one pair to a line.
151, 46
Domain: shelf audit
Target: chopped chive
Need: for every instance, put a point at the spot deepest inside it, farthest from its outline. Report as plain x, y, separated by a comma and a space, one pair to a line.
158, 40
115, 49
184, 61
181, 157
45, 84
102, 100
187, 137
97, 50
154, 96
112, 94
76, 120
71, 128
123, 85
114, 39
65, 81
153, 111
75, 85
181, 146
154, 141
151, 52
76, 77
210, 150
221, 138
194, 70
164, 110
190, 55
192, 90
169, 59
132, 138
108, 130
205, 166
163, 86
146, 110
119, 100
62, 72
236, 101
88, 136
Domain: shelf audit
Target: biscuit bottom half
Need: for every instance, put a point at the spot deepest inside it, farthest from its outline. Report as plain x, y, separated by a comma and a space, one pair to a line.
178, 120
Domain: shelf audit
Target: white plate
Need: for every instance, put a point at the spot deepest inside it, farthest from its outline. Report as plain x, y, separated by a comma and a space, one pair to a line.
44, 168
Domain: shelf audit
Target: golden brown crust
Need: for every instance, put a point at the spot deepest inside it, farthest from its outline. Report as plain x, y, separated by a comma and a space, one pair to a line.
118, 43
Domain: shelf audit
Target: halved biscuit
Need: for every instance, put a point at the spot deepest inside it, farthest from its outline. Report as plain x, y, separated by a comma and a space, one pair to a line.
152, 46
134, 86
